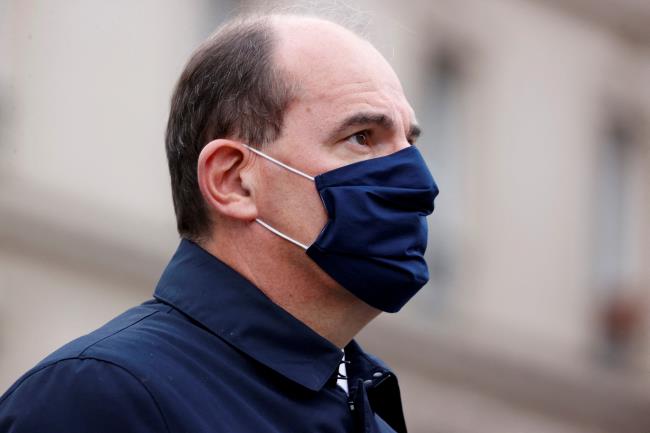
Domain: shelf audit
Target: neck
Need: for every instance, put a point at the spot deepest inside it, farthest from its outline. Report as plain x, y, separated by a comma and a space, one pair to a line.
295, 283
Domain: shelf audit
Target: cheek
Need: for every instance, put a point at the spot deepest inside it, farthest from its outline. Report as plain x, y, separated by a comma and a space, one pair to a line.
291, 204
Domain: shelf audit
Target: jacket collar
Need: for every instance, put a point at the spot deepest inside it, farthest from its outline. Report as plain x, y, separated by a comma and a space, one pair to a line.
210, 292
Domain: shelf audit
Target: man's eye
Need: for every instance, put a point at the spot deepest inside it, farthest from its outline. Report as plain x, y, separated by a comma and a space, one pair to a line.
361, 138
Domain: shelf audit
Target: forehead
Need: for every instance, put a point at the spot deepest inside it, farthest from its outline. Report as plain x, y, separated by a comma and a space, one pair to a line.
338, 71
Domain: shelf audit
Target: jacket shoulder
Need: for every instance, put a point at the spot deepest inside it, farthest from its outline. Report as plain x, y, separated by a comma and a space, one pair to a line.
78, 389
80, 394
80, 346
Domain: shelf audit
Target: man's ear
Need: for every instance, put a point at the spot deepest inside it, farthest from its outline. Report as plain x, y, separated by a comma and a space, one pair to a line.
219, 173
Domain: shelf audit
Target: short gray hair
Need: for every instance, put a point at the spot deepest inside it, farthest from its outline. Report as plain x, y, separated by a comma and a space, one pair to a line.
230, 88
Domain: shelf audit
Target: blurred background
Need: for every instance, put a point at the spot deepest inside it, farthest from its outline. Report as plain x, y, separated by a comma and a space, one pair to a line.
536, 118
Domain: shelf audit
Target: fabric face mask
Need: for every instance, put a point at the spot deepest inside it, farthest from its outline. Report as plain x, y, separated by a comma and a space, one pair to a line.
374, 241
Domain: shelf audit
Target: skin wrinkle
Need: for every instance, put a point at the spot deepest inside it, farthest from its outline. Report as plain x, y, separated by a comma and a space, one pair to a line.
338, 75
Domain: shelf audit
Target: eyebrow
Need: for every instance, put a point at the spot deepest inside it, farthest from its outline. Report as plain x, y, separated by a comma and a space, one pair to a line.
368, 118
414, 132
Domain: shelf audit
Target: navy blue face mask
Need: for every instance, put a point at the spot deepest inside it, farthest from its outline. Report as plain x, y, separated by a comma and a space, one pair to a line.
374, 241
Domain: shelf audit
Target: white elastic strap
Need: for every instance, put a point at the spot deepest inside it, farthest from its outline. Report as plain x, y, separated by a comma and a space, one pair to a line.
282, 235
281, 164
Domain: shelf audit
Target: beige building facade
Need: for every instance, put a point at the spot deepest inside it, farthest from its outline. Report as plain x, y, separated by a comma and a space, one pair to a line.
536, 119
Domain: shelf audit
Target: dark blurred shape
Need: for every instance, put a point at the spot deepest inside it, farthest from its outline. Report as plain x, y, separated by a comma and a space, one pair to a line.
621, 321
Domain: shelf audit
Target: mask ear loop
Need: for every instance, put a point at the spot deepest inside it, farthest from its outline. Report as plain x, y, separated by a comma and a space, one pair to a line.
281, 164
293, 170
282, 235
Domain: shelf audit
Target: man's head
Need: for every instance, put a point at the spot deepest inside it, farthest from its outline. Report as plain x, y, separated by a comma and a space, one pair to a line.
301, 85
316, 97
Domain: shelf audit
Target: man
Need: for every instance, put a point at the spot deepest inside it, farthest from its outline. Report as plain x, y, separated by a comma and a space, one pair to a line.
302, 205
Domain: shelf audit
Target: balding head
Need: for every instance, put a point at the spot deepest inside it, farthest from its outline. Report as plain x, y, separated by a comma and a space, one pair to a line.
332, 63
312, 48
240, 83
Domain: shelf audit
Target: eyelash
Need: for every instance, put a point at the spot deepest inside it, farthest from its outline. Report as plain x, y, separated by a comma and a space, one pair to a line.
365, 132
368, 134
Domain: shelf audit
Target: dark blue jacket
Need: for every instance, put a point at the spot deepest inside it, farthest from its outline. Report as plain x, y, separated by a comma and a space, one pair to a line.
210, 353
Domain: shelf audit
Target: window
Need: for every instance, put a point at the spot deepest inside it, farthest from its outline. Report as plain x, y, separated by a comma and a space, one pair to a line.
617, 270
439, 113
